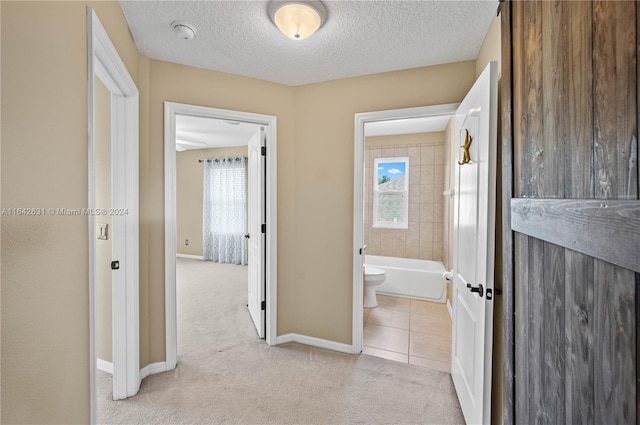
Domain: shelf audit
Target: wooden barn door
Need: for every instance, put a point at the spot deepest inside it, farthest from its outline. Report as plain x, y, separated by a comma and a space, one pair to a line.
570, 197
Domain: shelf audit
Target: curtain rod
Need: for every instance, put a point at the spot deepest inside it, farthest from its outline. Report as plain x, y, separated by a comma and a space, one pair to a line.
217, 159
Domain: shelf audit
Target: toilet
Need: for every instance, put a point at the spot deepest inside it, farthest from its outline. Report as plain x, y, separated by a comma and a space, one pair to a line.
372, 277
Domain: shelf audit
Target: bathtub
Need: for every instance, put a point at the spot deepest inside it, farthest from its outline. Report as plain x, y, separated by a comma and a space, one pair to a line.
420, 279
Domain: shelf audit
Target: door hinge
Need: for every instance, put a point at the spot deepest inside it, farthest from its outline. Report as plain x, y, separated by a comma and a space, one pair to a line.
263, 150
264, 228
263, 305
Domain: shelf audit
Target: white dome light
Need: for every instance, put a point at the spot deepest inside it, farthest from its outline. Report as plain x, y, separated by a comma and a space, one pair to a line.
297, 19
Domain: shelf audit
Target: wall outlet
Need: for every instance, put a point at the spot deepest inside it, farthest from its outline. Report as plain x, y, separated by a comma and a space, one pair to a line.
186, 241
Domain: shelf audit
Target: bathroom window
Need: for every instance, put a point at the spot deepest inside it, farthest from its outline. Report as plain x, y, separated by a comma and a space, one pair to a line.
391, 193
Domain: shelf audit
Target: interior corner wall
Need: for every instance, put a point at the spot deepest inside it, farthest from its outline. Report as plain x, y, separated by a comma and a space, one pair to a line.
45, 308
145, 211
189, 194
490, 48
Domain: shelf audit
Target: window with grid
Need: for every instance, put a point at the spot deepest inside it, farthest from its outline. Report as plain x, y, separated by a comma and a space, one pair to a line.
391, 193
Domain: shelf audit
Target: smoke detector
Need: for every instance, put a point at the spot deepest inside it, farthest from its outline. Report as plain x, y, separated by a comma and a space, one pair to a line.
183, 30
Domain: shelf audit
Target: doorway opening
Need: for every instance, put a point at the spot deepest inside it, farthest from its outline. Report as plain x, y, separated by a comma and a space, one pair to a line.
472, 289
259, 141
400, 209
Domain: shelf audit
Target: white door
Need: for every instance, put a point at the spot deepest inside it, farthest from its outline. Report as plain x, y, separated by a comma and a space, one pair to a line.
255, 236
474, 245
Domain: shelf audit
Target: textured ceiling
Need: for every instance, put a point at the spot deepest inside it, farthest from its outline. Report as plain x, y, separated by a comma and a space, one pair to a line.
193, 132
359, 37
203, 133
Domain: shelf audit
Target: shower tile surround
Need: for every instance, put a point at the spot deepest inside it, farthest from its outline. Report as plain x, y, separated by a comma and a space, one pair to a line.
424, 239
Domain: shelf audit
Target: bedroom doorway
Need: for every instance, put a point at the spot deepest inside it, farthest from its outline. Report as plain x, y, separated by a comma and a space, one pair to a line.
262, 148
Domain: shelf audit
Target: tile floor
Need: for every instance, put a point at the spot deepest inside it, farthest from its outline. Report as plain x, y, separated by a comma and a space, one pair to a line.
409, 331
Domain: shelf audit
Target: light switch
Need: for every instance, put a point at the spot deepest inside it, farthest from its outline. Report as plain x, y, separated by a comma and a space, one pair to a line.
102, 231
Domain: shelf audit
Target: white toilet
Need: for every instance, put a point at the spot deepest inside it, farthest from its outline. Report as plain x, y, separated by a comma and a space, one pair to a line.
372, 277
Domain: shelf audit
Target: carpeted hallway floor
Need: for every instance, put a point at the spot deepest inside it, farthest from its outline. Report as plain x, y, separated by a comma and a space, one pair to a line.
227, 375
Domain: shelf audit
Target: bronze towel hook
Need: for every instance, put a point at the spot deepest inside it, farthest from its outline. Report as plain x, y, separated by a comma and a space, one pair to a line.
466, 158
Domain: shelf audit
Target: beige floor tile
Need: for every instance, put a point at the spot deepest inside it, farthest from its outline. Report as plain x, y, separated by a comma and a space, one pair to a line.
390, 318
386, 338
387, 302
431, 364
389, 355
426, 307
431, 323
365, 314
432, 347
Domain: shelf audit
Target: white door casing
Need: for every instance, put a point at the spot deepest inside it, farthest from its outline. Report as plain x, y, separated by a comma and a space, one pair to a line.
474, 246
171, 109
256, 239
433, 112
104, 62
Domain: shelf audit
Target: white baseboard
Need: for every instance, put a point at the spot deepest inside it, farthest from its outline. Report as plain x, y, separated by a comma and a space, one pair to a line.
450, 309
152, 369
193, 257
104, 366
315, 342
149, 369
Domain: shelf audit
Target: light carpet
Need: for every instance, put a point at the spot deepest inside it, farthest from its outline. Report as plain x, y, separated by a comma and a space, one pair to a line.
227, 375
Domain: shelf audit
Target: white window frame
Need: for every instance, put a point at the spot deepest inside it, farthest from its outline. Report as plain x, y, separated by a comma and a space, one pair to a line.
390, 224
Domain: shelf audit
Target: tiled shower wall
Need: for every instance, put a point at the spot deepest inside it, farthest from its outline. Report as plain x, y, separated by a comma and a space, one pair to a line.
424, 239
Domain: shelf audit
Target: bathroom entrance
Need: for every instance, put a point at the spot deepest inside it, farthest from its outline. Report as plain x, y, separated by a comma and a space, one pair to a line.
388, 181
406, 231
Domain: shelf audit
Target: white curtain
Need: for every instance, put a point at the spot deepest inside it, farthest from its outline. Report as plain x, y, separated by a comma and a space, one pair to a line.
224, 211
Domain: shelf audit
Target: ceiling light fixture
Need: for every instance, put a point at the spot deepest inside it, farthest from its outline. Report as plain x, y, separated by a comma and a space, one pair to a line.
297, 19
183, 30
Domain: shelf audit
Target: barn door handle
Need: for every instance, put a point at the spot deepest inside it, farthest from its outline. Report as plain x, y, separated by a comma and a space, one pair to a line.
479, 289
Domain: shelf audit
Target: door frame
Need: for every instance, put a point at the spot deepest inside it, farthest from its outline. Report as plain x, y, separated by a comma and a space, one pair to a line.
104, 62
171, 109
358, 198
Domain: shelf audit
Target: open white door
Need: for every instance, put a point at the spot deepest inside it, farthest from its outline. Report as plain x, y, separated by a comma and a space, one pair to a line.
256, 235
474, 246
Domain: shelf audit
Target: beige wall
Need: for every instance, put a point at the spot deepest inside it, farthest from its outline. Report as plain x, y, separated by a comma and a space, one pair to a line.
490, 49
189, 188
424, 237
315, 180
45, 309
183, 84
324, 182
103, 254
45, 358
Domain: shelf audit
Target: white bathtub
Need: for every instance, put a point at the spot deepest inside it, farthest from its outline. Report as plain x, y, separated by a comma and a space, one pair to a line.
420, 279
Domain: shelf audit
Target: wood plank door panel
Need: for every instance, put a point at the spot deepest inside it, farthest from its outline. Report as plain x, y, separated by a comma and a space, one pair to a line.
571, 247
